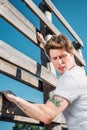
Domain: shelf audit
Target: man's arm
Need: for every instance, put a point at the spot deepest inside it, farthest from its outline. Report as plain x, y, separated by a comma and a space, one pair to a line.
42, 112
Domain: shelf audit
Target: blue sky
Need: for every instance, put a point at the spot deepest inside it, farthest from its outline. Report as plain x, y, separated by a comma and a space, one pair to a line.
74, 11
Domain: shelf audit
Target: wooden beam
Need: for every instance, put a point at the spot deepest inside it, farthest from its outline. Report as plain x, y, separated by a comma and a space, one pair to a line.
42, 16
19, 74
63, 21
11, 113
16, 118
14, 17
24, 62
79, 58
47, 22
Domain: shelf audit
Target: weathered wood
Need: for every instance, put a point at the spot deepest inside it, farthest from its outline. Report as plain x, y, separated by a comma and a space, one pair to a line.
16, 118
19, 74
79, 58
56, 126
42, 16
47, 22
14, 17
63, 21
26, 63
11, 113
68, 27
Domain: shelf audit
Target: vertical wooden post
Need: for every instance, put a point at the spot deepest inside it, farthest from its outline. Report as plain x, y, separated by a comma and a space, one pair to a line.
47, 35
77, 46
47, 91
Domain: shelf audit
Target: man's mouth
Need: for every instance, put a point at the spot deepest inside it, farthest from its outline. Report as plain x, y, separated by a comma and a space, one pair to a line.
62, 68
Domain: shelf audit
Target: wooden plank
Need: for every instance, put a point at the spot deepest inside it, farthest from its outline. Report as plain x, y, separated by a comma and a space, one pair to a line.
16, 118
19, 74
42, 16
10, 112
46, 21
79, 58
26, 63
17, 20
63, 21
14, 17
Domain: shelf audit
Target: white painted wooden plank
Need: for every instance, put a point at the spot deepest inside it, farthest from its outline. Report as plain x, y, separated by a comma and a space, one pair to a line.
42, 16
19, 59
13, 16
18, 74
63, 21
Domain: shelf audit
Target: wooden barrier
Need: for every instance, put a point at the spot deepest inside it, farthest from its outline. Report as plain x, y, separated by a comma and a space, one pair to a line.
22, 68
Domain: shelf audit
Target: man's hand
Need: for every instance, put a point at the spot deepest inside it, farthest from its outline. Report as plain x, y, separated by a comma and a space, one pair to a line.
9, 95
41, 38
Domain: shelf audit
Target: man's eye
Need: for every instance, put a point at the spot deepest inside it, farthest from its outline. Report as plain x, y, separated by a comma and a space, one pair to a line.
54, 58
59, 57
63, 56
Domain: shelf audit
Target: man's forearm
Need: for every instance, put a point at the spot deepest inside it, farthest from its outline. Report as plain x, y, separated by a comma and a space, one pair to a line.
36, 111
25, 106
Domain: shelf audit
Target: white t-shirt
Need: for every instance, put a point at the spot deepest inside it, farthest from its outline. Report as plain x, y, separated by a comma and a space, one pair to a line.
72, 85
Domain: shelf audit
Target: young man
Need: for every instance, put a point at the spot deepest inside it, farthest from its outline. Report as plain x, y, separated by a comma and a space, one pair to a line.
70, 96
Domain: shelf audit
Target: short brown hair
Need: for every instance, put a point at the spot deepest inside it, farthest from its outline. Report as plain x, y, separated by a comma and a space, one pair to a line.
58, 42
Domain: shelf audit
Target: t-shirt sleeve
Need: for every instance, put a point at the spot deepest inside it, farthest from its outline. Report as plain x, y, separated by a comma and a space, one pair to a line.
68, 88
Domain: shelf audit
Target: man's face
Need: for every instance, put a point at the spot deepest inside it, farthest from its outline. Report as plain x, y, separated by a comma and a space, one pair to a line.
62, 60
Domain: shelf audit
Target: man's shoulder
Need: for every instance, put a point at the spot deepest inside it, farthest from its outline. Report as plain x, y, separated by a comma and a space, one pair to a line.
77, 70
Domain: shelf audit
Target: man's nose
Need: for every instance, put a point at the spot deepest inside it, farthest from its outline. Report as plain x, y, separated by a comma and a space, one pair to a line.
59, 60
